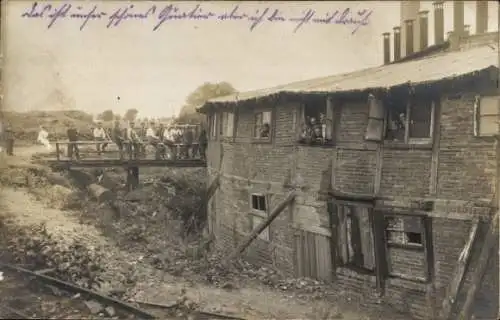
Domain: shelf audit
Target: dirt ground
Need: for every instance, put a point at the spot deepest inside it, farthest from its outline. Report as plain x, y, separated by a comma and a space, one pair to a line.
246, 299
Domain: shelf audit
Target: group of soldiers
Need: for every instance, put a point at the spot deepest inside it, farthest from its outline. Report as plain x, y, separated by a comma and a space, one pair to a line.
134, 140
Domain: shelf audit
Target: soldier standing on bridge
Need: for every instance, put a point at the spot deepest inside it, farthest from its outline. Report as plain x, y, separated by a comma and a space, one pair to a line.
72, 145
117, 136
203, 142
100, 135
9, 140
134, 140
142, 135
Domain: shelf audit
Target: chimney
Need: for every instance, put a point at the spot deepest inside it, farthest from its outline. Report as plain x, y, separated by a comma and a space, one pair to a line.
481, 17
409, 11
438, 22
387, 47
409, 36
458, 18
397, 43
424, 29
466, 30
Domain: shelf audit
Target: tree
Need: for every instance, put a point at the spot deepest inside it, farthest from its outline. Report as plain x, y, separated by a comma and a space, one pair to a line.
131, 114
106, 115
199, 96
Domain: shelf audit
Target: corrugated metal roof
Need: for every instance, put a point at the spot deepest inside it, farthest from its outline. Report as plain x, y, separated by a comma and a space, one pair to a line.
430, 69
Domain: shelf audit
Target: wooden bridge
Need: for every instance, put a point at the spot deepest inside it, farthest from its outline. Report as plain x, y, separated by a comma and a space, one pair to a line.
128, 157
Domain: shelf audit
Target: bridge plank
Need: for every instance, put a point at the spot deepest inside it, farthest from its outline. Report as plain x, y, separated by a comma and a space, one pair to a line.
127, 163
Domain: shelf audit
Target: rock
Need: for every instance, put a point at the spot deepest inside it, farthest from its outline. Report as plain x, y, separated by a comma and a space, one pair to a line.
110, 311
228, 286
138, 195
58, 179
100, 193
93, 306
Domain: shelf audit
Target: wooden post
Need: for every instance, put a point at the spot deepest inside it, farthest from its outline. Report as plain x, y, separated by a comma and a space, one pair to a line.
57, 151
457, 281
377, 222
132, 178
480, 270
333, 219
264, 224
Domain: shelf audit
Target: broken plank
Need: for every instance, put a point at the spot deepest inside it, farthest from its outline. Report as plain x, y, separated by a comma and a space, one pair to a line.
480, 270
264, 224
458, 278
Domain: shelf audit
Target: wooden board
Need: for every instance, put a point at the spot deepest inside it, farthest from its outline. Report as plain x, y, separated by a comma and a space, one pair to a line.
313, 255
126, 163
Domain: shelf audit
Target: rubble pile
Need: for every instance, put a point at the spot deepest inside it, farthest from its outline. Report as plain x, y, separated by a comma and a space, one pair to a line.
36, 249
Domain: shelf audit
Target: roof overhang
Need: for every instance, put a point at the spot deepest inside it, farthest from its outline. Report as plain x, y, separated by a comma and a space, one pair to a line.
428, 70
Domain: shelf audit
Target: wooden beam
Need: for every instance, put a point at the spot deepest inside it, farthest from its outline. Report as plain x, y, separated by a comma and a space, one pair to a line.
378, 227
213, 187
459, 275
264, 224
185, 163
480, 270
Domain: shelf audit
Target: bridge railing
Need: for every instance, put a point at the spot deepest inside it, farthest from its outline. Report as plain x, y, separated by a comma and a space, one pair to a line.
127, 150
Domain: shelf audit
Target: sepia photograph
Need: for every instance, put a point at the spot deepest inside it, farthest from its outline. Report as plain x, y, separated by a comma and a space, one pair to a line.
249, 160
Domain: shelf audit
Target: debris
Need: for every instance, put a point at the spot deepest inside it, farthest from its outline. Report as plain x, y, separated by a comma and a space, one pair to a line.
110, 311
1, 276
100, 193
138, 195
93, 306
45, 271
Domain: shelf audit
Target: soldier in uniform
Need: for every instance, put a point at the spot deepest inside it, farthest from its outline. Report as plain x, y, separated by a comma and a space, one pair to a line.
9, 140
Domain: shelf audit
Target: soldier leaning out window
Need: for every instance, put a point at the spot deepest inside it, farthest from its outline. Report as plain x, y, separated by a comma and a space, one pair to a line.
313, 131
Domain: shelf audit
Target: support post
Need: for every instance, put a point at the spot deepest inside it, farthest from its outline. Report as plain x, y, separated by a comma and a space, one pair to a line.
458, 278
132, 178
480, 270
213, 187
264, 224
58, 152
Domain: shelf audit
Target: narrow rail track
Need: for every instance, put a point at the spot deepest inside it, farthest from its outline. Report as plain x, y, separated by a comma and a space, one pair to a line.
72, 304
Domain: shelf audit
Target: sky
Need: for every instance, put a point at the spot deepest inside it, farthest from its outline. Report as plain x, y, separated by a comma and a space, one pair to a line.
132, 66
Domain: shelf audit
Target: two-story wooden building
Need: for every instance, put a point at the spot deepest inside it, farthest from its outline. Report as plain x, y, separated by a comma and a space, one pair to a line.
395, 171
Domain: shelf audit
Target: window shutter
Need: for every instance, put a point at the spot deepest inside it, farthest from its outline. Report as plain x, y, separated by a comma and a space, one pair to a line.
488, 116
375, 127
302, 119
266, 118
329, 119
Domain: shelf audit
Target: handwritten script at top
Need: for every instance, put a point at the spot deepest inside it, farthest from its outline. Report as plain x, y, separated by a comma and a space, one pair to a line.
162, 15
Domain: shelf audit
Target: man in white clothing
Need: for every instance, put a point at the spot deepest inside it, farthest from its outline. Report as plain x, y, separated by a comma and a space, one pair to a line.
43, 138
100, 135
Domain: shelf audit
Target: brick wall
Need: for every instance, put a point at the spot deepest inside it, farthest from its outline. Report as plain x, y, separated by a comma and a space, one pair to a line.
466, 170
467, 164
